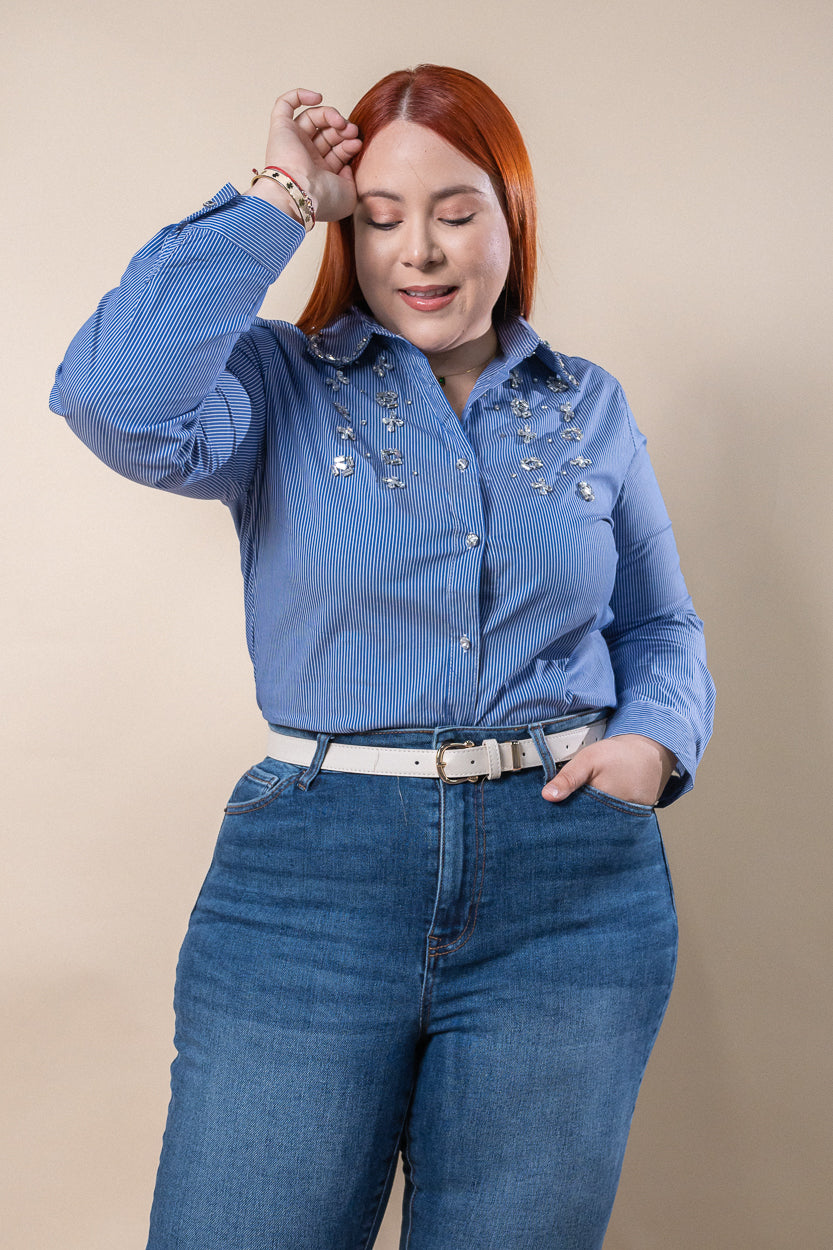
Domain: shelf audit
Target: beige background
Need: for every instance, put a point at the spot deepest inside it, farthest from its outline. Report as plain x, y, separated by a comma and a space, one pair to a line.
683, 162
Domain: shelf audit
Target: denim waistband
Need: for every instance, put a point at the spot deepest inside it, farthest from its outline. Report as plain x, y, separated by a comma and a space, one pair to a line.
427, 738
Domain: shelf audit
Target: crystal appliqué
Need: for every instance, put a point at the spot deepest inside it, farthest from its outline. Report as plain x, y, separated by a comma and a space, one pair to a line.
581, 462
542, 486
338, 381
381, 365
343, 466
532, 462
391, 456
585, 490
387, 399
393, 483
347, 433
526, 433
572, 434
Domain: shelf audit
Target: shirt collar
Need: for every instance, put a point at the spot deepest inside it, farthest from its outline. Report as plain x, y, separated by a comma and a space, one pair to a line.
345, 339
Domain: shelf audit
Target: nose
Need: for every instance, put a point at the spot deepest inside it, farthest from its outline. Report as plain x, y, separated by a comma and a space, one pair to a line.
420, 247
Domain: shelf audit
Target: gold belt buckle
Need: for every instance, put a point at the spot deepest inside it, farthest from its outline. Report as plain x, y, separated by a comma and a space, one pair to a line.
452, 781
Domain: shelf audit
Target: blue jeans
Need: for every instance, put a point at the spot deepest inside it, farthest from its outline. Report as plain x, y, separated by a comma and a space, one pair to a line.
464, 973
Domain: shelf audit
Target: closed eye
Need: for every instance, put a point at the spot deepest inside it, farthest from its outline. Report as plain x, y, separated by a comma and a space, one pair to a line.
457, 221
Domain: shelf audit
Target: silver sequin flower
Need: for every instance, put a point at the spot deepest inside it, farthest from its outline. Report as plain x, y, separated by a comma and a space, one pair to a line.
581, 462
339, 380
520, 409
381, 365
542, 486
572, 434
343, 466
393, 483
391, 456
347, 433
526, 433
392, 422
387, 399
532, 462
585, 490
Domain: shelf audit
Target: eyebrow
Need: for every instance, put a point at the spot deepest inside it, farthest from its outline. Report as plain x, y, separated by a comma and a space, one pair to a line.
444, 194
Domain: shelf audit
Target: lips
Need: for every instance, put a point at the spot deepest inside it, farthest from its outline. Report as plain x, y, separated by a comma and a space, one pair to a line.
428, 298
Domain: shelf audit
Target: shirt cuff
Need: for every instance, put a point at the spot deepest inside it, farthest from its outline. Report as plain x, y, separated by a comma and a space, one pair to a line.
266, 233
669, 730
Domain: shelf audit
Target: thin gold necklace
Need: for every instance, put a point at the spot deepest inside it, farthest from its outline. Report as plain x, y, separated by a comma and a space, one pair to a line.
441, 377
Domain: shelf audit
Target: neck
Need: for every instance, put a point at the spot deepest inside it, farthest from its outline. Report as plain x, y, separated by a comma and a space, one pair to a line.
470, 357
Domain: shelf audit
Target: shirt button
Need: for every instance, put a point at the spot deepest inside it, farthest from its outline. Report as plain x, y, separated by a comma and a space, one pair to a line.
472, 540
208, 204
465, 643
462, 464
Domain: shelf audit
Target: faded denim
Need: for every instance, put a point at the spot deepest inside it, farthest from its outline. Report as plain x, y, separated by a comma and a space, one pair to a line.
467, 974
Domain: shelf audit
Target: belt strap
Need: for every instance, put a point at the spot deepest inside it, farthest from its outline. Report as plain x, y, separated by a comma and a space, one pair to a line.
453, 761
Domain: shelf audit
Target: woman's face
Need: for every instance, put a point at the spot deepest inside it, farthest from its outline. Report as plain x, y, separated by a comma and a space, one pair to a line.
432, 244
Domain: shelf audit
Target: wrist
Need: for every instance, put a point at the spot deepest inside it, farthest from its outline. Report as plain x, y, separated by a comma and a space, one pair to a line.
268, 189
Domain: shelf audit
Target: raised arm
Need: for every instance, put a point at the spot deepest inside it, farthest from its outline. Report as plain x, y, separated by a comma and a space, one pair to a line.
164, 382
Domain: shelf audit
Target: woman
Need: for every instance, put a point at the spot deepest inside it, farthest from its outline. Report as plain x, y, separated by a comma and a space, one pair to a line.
460, 583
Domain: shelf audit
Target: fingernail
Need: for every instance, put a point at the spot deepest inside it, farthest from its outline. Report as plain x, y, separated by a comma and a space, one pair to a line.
551, 792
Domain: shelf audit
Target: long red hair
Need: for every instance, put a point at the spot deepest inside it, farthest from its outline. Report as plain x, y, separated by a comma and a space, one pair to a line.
467, 114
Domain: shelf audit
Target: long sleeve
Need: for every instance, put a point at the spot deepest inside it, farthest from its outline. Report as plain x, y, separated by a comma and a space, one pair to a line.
158, 382
663, 686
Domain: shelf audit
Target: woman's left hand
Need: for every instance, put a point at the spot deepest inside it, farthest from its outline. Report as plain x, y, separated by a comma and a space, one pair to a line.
626, 766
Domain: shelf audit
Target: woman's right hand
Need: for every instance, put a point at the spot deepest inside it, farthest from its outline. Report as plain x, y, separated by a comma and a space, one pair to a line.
316, 149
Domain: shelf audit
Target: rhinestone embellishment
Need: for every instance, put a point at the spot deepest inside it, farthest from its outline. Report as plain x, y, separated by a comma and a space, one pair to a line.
514, 379
347, 433
339, 380
526, 433
381, 365
572, 434
542, 486
387, 399
343, 466
341, 410
556, 385
532, 462
391, 456
585, 490
393, 483
581, 462
392, 422
520, 409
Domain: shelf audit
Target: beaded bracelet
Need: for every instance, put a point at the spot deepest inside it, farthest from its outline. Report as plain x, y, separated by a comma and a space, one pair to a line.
301, 199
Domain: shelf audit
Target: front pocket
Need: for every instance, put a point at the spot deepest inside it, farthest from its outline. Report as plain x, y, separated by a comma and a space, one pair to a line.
611, 800
261, 784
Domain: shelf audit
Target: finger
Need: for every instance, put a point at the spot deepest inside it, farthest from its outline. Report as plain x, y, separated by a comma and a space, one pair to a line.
571, 777
299, 97
326, 118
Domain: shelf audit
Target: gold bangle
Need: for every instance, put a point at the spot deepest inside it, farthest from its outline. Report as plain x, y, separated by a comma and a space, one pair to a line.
301, 200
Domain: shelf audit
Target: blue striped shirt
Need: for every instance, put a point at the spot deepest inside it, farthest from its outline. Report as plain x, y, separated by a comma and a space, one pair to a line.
402, 567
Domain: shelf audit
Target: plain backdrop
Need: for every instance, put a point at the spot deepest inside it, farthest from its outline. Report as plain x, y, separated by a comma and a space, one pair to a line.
683, 158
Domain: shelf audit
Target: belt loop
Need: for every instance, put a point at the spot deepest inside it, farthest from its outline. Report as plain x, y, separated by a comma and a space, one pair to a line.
306, 779
536, 733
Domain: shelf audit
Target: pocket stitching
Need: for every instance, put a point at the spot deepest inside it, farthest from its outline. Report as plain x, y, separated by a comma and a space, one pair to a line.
276, 788
621, 805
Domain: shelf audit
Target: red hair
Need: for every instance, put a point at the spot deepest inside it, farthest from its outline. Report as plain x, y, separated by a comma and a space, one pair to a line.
467, 114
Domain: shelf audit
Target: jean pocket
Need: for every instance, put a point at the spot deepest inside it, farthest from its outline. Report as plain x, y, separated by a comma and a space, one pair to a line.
261, 784
621, 805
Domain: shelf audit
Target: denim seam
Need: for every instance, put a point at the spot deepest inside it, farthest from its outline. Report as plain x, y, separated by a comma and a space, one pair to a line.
273, 791
479, 871
619, 805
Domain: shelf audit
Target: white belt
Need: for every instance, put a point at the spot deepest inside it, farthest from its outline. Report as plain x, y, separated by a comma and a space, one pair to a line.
452, 762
